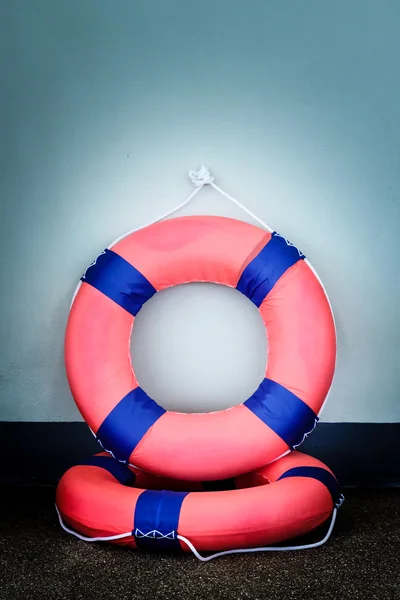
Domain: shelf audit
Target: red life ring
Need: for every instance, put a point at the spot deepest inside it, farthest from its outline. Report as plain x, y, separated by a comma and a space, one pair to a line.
104, 500
265, 267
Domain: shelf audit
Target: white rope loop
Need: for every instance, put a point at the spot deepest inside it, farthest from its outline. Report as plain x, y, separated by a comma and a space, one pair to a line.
199, 179
203, 177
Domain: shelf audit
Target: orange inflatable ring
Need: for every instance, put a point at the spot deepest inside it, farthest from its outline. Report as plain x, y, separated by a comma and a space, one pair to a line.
103, 500
274, 275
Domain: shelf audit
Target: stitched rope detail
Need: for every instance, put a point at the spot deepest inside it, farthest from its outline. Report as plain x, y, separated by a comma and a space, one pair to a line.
157, 535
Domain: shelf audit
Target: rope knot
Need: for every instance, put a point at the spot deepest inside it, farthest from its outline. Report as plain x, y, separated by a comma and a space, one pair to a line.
201, 177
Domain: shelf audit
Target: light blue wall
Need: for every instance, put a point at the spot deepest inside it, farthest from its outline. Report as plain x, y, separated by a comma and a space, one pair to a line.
106, 105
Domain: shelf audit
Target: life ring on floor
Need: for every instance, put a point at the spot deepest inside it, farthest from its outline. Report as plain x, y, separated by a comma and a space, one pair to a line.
102, 498
265, 267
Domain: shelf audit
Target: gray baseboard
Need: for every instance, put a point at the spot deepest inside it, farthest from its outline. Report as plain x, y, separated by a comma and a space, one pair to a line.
360, 454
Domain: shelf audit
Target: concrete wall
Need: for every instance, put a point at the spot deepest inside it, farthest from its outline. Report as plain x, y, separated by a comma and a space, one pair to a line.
106, 106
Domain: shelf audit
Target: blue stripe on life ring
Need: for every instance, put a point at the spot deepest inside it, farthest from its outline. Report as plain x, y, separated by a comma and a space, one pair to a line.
156, 519
321, 475
121, 472
284, 412
127, 423
117, 279
262, 273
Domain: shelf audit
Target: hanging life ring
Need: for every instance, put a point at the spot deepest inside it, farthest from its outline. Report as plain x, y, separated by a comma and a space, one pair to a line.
294, 307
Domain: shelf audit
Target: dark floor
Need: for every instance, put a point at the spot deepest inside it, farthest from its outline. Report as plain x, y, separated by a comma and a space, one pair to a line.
39, 561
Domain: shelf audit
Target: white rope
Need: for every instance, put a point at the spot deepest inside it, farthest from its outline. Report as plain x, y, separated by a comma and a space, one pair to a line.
161, 217
153, 222
121, 536
199, 178
262, 548
109, 538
